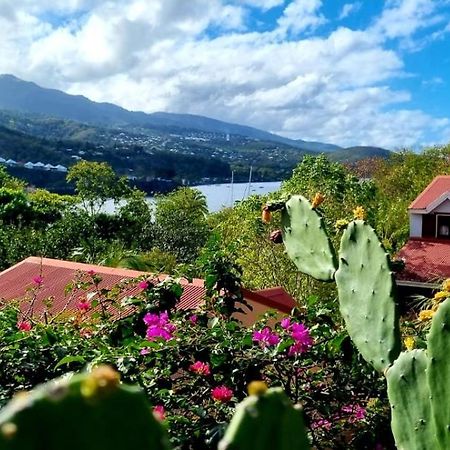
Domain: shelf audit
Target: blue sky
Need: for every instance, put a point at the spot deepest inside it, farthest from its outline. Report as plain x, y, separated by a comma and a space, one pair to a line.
361, 72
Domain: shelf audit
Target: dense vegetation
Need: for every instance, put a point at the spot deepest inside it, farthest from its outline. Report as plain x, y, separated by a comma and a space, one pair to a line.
180, 358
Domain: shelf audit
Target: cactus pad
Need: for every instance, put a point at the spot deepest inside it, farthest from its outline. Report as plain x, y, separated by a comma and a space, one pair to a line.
266, 422
366, 295
409, 396
439, 372
91, 411
306, 240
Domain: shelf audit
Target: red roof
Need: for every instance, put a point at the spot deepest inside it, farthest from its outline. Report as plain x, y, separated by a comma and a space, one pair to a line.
57, 274
426, 260
436, 189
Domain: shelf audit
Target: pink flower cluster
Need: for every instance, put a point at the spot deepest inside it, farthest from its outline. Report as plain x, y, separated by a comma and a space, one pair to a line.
83, 305
159, 412
356, 412
266, 338
38, 280
321, 423
158, 326
300, 334
24, 325
222, 394
200, 368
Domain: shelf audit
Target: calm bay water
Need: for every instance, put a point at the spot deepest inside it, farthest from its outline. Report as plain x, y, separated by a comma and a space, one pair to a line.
220, 196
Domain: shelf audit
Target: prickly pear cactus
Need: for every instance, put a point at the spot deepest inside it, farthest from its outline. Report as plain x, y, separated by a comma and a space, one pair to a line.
366, 295
409, 396
266, 422
439, 373
91, 411
306, 239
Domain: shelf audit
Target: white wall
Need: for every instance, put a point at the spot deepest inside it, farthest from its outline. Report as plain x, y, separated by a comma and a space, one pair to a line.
415, 225
444, 207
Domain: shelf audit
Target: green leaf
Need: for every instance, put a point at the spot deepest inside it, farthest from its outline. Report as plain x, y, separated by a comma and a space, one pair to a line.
70, 359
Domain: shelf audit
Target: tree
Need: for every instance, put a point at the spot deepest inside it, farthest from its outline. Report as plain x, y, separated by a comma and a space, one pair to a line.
180, 222
95, 183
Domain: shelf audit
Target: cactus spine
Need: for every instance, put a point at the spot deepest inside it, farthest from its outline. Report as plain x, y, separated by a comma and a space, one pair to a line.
266, 422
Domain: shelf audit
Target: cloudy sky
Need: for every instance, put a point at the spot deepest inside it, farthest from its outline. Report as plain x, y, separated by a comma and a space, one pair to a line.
347, 72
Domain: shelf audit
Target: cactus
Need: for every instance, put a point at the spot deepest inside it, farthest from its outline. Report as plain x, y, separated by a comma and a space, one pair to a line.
439, 372
366, 295
90, 411
306, 240
265, 422
409, 394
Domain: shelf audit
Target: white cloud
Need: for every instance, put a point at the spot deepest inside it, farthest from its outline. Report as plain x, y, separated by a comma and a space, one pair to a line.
159, 55
349, 8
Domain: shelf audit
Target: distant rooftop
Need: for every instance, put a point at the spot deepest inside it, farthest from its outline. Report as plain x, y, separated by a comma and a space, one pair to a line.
436, 190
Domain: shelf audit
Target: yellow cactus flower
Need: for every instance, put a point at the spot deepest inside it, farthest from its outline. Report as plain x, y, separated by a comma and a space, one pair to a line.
409, 342
446, 285
257, 388
340, 224
425, 315
103, 379
441, 295
359, 213
318, 200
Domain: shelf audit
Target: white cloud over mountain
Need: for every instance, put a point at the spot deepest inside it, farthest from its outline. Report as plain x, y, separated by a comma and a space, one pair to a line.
201, 57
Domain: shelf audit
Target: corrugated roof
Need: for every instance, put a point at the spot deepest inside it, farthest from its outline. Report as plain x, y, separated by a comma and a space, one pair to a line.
426, 260
17, 282
438, 187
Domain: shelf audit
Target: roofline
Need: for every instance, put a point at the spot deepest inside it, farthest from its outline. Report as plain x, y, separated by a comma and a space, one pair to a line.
410, 207
259, 297
418, 284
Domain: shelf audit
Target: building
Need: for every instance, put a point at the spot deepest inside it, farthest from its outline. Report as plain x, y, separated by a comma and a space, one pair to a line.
426, 255
56, 275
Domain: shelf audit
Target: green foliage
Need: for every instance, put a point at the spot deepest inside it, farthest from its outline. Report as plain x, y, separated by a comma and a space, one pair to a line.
95, 183
180, 223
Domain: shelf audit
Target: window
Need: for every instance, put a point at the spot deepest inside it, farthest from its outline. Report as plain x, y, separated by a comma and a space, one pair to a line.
443, 226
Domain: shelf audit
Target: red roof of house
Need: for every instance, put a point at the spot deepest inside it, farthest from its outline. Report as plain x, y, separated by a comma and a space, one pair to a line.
15, 283
426, 260
437, 188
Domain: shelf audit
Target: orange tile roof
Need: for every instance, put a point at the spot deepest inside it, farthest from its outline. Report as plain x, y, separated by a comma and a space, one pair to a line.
57, 274
426, 260
438, 187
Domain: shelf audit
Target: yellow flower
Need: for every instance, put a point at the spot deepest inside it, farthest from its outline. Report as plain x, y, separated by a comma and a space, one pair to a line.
341, 224
257, 388
446, 285
409, 342
359, 213
426, 314
317, 200
440, 295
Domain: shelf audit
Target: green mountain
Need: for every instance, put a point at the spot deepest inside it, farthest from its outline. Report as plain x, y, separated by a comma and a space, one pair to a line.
353, 154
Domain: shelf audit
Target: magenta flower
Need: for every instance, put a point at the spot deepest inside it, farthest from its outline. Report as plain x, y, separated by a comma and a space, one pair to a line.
159, 412
265, 337
24, 325
321, 423
200, 368
222, 394
83, 305
143, 285
38, 280
193, 319
91, 272
286, 323
357, 412
158, 326
302, 338
144, 351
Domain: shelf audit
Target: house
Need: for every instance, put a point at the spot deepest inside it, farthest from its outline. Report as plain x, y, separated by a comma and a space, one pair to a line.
56, 275
426, 255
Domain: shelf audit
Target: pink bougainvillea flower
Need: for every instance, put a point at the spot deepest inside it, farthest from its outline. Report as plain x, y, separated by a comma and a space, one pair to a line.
357, 412
193, 319
321, 423
145, 351
286, 323
302, 338
158, 326
91, 272
200, 368
143, 285
222, 394
159, 412
83, 305
24, 325
38, 280
266, 337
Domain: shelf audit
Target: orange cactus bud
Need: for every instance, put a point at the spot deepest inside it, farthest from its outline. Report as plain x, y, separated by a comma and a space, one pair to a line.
318, 200
266, 215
